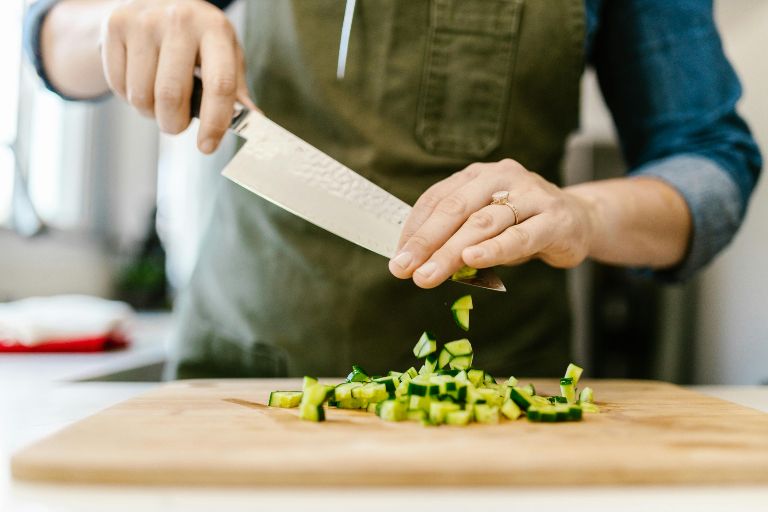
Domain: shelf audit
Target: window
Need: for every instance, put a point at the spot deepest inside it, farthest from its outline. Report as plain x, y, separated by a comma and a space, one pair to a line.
10, 63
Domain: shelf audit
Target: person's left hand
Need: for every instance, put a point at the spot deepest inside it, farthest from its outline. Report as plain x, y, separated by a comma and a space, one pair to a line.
453, 224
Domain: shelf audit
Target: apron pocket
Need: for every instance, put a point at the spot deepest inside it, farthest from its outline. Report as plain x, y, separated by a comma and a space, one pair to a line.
467, 74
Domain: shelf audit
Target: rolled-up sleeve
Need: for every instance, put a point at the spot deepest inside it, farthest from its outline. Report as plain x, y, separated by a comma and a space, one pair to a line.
33, 23
673, 95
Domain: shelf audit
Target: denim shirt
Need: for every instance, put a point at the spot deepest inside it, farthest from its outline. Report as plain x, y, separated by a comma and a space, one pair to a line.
672, 94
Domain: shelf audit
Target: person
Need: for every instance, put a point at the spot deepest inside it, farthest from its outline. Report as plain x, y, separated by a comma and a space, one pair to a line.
443, 103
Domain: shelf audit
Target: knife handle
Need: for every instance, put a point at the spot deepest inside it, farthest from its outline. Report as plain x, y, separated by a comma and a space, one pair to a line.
197, 97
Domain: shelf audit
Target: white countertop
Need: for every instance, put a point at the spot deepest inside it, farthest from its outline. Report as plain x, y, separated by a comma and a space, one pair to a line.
30, 412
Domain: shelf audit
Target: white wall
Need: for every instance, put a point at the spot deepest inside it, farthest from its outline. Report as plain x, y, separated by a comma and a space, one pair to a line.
732, 338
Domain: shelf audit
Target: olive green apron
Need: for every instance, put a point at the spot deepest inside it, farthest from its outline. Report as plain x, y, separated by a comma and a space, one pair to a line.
430, 87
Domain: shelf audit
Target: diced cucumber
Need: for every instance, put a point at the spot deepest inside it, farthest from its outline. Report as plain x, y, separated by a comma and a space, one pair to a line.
458, 418
568, 390
489, 379
475, 376
344, 391
311, 412
574, 372
411, 372
390, 383
589, 407
530, 389
438, 410
419, 402
460, 362
587, 396
308, 381
426, 345
464, 302
444, 359
316, 394
357, 375
486, 413
461, 317
521, 397
511, 410
512, 382
416, 415
464, 272
391, 410
460, 347
285, 399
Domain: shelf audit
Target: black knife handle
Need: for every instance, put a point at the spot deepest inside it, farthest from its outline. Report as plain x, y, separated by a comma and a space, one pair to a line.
197, 97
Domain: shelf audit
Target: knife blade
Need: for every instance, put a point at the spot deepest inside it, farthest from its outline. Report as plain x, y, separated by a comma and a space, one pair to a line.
282, 168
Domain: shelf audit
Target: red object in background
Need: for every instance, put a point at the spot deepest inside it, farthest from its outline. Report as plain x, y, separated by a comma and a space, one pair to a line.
95, 344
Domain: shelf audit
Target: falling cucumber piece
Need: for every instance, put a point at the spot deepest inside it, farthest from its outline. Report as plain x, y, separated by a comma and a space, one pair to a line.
426, 345
587, 396
573, 372
461, 317
464, 272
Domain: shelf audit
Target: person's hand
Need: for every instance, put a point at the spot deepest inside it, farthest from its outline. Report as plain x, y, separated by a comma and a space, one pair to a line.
150, 49
453, 224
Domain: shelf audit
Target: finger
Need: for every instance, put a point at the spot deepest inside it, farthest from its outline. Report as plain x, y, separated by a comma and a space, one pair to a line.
173, 85
482, 225
218, 62
427, 202
446, 218
514, 244
113, 61
141, 67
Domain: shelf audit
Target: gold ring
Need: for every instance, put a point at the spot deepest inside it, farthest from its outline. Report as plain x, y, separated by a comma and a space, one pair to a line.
502, 197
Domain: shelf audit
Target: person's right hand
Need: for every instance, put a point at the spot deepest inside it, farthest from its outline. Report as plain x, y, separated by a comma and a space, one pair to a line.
150, 49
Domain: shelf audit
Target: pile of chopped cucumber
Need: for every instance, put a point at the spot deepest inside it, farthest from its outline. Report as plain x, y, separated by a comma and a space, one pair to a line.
446, 389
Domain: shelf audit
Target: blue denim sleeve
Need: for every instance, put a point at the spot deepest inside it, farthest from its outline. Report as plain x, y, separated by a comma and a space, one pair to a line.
33, 22
673, 94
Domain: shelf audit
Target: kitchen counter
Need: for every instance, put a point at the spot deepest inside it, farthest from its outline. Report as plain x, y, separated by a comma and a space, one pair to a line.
30, 412
142, 360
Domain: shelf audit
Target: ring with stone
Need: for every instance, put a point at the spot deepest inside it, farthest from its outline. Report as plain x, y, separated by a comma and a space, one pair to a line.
502, 197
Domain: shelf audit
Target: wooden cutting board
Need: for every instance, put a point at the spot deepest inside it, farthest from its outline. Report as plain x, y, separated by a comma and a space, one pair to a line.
221, 433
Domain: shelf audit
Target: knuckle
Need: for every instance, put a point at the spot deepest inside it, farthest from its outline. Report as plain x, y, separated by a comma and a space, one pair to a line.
453, 205
220, 24
223, 85
146, 21
173, 126
495, 248
419, 242
115, 21
180, 13
520, 237
473, 170
482, 220
140, 99
170, 94
429, 200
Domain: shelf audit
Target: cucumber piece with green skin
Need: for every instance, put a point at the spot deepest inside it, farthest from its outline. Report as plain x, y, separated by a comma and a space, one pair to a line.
426, 345
416, 415
357, 375
411, 371
419, 402
512, 382
488, 379
458, 418
391, 410
308, 381
574, 372
390, 383
567, 390
444, 358
587, 396
311, 412
588, 407
316, 394
464, 272
464, 302
285, 399
461, 317
530, 389
511, 410
521, 397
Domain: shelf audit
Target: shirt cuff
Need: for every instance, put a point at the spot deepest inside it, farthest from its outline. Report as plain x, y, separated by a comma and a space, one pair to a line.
714, 202
33, 23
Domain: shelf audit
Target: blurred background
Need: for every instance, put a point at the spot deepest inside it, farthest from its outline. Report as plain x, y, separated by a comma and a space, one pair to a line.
93, 200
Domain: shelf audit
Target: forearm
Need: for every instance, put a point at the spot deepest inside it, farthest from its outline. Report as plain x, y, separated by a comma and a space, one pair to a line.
69, 45
636, 221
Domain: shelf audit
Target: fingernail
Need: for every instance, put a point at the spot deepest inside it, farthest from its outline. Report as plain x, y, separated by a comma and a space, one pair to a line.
207, 146
475, 253
427, 269
403, 259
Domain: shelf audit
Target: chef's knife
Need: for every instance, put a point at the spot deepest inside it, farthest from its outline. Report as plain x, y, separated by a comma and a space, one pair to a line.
289, 172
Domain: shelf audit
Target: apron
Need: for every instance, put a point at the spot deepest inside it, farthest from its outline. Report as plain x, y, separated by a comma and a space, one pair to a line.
430, 87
